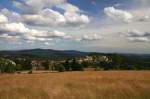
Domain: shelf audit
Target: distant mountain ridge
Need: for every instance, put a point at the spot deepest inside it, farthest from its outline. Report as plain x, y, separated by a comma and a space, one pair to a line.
46, 53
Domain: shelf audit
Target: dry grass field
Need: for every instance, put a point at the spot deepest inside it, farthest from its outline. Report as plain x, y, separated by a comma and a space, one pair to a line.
76, 85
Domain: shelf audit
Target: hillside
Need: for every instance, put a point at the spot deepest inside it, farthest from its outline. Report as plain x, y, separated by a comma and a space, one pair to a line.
44, 53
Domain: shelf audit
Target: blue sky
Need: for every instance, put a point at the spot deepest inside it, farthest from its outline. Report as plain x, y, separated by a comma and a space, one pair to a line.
97, 6
85, 25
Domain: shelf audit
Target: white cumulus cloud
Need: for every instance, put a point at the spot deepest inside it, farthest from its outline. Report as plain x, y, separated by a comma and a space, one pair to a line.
40, 12
69, 7
136, 35
138, 39
118, 14
34, 6
3, 19
93, 37
58, 34
47, 17
20, 30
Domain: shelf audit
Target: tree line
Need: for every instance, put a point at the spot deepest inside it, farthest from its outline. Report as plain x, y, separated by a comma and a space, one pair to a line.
11, 65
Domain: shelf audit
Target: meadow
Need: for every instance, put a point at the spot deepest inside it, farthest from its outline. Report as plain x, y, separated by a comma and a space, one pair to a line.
76, 85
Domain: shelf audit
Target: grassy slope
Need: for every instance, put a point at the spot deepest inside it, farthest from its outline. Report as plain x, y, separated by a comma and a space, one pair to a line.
77, 85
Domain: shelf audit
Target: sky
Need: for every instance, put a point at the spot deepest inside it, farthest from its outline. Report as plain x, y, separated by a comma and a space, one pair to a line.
110, 26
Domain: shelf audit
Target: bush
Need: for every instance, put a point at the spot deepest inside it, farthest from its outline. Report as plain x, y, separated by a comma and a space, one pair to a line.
75, 66
67, 65
46, 65
19, 67
60, 68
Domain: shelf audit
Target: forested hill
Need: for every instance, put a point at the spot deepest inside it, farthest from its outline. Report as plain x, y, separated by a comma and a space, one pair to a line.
44, 53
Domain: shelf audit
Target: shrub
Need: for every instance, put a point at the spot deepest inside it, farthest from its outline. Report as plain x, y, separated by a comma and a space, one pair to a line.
67, 65
75, 66
46, 65
60, 68
19, 67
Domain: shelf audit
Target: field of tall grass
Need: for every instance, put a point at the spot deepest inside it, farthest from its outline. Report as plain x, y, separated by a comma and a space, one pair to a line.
76, 85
